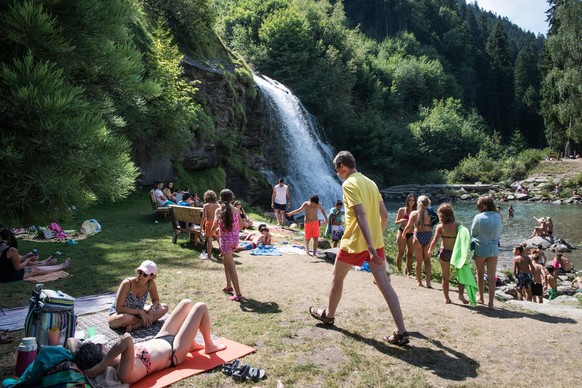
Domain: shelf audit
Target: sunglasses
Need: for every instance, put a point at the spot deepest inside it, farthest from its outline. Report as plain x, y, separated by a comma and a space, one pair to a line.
141, 273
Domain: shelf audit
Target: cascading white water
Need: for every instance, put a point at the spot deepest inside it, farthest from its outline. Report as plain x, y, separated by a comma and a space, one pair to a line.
309, 158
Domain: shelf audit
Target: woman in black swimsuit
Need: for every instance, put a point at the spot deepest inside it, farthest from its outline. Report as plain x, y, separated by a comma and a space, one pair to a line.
15, 267
447, 230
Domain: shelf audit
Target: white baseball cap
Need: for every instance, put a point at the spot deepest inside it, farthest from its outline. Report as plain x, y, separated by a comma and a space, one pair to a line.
148, 267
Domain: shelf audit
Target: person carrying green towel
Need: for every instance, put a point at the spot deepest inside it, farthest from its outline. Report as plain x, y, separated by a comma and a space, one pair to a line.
447, 231
460, 259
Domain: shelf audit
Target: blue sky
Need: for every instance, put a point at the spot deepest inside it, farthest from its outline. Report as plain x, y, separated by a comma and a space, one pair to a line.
528, 14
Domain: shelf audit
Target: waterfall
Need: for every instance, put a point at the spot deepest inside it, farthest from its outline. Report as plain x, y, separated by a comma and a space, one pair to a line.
308, 158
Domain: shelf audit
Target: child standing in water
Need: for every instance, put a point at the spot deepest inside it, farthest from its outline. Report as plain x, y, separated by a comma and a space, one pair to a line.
208, 211
227, 219
447, 230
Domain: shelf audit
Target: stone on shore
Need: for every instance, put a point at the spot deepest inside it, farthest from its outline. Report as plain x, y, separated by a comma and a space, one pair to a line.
553, 243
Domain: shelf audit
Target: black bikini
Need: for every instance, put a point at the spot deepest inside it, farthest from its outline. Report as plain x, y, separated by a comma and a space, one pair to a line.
170, 339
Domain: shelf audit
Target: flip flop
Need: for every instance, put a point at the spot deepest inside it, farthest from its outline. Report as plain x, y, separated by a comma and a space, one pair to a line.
229, 367
247, 372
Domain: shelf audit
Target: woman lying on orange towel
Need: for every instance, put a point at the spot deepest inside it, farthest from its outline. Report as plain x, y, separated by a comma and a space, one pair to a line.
167, 349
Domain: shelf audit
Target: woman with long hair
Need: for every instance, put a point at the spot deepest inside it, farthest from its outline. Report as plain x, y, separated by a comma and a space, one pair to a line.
404, 241
227, 220
447, 231
485, 234
15, 267
420, 221
129, 310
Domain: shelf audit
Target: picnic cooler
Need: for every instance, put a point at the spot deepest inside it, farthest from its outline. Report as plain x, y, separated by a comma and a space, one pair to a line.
50, 311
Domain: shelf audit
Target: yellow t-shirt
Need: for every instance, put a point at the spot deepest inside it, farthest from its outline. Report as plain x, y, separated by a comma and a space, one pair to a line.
358, 189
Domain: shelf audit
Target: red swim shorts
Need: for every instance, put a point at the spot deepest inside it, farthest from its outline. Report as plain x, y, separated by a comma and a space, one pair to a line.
311, 229
359, 257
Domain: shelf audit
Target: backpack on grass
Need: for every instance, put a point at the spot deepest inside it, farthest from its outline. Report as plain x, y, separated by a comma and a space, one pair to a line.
50, 311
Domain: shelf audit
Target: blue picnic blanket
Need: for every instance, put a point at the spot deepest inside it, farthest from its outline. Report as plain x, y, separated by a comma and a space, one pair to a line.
266, 250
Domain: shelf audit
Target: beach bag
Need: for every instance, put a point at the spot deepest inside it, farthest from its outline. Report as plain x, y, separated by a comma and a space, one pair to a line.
90, 227
50, 311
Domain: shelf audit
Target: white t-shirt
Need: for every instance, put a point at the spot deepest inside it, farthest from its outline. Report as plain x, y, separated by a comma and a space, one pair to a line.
281, 194
158, 193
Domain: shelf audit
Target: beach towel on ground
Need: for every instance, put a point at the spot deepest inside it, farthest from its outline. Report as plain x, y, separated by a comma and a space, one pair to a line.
460, 259
265, 250
195, 362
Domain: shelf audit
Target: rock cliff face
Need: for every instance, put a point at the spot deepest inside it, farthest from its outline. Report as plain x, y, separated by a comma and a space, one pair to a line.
239, 119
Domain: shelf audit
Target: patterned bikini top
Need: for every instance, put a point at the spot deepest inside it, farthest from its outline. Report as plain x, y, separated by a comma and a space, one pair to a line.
134, 302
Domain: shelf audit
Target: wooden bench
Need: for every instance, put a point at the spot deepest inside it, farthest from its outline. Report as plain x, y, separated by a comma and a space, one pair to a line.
155, 208
188, 215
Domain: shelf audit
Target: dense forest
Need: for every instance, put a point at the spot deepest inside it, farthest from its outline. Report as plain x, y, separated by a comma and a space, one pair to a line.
419, 90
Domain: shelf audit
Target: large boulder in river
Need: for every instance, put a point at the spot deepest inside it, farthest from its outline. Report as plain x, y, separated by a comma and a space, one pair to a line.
561, 245
521, 197
545, 241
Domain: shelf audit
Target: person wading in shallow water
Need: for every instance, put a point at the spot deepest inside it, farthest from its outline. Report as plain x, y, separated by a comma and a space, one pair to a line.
366, 220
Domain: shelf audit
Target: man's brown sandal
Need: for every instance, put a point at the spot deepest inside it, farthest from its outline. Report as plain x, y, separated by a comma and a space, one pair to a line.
398, 339
319, 314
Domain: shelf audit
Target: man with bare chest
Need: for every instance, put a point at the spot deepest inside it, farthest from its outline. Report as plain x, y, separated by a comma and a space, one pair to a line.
311, 208
522, 270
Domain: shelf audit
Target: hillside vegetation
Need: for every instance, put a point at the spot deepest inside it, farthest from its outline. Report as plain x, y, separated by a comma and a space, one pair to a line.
95, 92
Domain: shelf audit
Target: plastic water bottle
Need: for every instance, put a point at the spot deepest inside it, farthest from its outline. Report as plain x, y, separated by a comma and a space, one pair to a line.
26, 354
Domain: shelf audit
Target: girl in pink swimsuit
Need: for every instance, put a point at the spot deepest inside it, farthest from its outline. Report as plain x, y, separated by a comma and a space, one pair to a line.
227, 220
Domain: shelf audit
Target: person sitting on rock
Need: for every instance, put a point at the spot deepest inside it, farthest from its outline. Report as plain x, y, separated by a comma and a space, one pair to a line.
550, 225
577, 282
542, 229
562, 264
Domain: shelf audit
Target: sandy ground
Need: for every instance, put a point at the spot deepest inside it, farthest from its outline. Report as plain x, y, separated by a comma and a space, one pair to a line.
451, 344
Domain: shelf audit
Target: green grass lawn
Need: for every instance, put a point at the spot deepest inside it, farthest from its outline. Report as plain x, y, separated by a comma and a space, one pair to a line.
99, 262
270, 320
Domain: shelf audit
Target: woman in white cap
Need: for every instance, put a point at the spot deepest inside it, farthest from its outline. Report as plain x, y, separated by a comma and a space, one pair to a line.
129, 310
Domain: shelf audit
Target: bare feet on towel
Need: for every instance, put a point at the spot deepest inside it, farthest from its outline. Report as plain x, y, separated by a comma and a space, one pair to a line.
214, 348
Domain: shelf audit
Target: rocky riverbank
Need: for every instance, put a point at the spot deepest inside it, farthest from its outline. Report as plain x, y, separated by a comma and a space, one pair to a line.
540, 186
470, 192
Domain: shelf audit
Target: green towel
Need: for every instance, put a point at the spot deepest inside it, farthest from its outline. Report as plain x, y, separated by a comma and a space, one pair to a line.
460, 259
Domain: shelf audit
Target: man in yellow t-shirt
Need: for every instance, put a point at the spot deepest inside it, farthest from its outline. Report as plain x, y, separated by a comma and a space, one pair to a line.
366, 220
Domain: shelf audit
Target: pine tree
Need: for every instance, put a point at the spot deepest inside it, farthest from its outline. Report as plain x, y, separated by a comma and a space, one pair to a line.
562, 97
501, 72
527, 96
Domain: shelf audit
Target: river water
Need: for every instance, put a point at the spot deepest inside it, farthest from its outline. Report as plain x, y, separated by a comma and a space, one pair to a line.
566, 220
